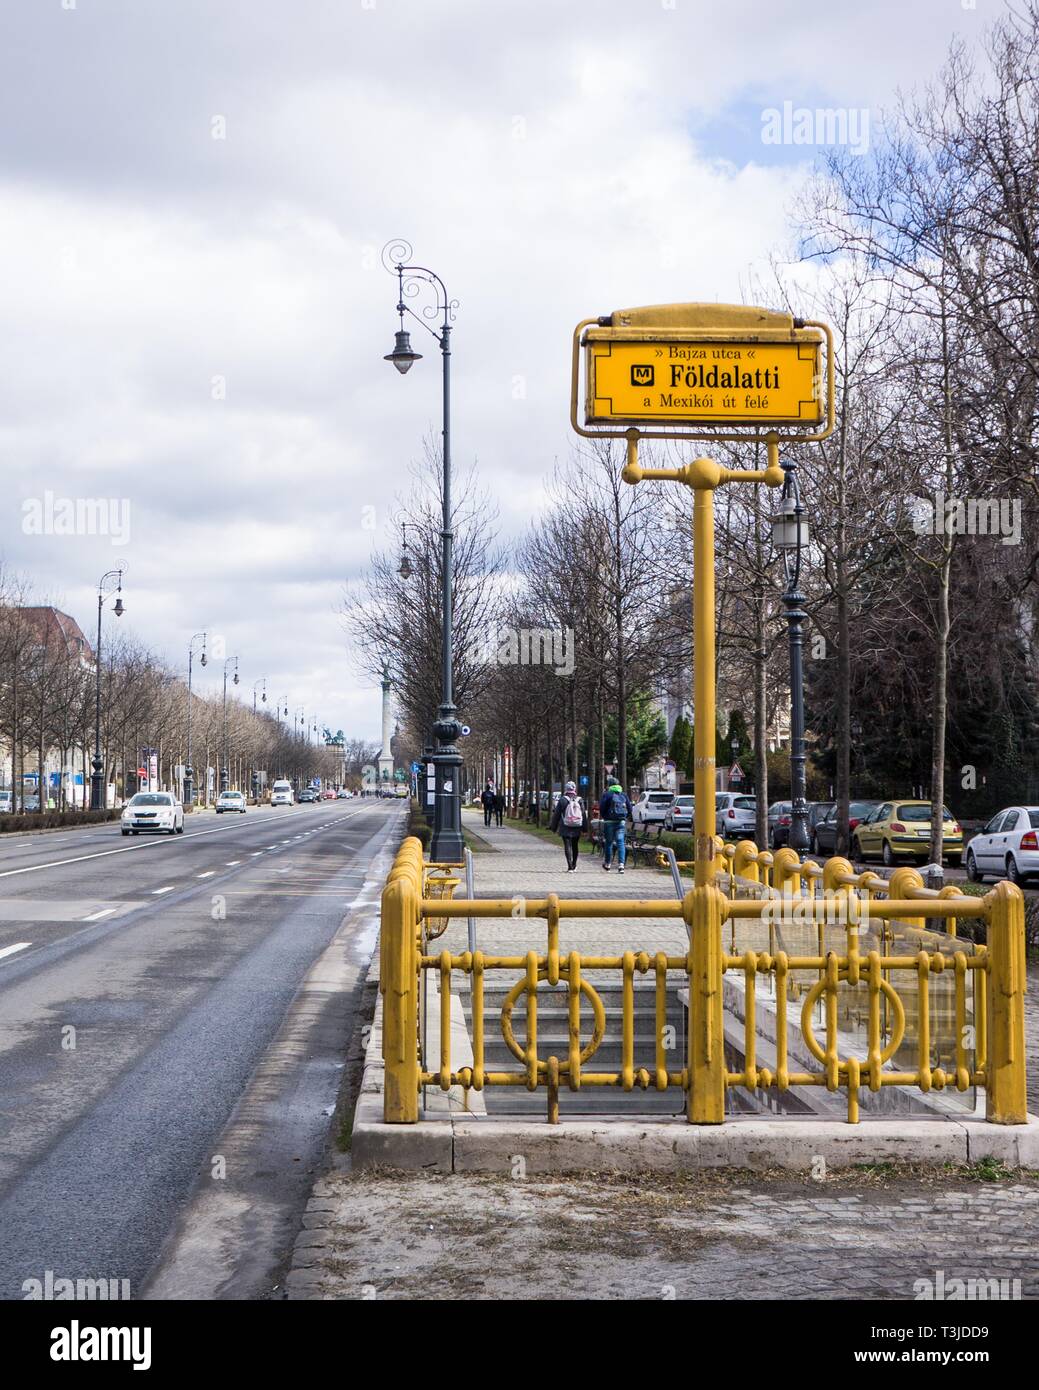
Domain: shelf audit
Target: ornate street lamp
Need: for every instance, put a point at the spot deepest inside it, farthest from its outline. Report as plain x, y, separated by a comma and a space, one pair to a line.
405, 569
189, 771
790, 537
109, 581
446, 843
225, 781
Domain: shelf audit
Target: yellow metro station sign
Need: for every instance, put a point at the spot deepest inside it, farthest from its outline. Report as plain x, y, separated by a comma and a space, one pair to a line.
704, 379
686, 366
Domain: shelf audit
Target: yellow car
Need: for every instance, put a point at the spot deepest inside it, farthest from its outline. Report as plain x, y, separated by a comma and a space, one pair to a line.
897, 829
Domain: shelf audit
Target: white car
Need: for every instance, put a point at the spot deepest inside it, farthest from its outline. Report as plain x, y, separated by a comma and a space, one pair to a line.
230, 801
158, 811
735, 814
1008, 847
281, 793
651, 809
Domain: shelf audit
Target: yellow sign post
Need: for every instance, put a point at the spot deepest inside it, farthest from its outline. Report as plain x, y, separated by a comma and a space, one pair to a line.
703, 371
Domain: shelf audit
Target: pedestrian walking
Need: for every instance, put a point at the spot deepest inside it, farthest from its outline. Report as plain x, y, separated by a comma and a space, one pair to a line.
570, 820
614, 811
499, 807
487, 799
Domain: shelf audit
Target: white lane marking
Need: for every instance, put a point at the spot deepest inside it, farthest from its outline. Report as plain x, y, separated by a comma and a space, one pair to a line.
18, 946
157, 891
208, 874
129, 849
96, 916
256, 854
233, 863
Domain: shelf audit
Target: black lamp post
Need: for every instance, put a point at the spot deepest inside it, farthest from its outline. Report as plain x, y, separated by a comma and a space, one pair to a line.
189, 771
790, 537
111, 580
262, 681
446, 843
224, 775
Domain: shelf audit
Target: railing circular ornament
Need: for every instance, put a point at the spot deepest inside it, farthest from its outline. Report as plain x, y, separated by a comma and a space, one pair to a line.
589, 1049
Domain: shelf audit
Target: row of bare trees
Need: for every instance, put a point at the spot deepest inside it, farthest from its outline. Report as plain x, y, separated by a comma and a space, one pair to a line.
47, 708
921, 574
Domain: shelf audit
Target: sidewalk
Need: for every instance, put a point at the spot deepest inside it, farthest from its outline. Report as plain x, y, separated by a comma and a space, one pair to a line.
527, 865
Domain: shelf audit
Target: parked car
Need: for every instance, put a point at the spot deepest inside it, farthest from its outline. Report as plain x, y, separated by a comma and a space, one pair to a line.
1007, 847
903, 829
308, 794
780, 815
824, 833
281, 793
735, 814
230, 801
31, 801
680, 814
6, 802
157, 811
650, 808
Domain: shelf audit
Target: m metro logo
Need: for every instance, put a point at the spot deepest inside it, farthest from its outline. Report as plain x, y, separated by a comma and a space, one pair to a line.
641, 374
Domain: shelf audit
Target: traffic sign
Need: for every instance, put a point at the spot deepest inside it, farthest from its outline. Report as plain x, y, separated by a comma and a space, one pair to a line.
735, 773
465, 730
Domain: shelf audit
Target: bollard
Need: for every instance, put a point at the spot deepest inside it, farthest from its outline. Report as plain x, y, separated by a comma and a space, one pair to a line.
704, 909
934, 877
1006, 1101
400, 1002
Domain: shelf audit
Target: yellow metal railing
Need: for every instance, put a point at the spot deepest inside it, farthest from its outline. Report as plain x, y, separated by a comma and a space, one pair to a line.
988, 1052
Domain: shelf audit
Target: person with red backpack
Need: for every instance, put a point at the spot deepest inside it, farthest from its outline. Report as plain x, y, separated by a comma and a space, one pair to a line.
570, 819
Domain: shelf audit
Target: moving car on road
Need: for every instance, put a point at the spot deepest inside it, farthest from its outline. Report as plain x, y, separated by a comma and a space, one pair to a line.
158, 811
281, 793
1007, 847
735, 814
679, 814
308, 794
230, 801
903, 829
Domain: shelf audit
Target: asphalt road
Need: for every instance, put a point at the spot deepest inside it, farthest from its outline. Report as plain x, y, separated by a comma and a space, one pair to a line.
142, 981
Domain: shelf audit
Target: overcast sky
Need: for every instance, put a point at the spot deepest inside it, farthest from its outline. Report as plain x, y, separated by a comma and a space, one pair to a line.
196, 324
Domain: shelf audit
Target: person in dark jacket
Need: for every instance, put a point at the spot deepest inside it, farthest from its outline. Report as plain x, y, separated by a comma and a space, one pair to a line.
615, 810
565, 820
487, 799
499, 807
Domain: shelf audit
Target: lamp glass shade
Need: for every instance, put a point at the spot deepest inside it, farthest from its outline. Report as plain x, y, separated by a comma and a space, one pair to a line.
119, 610
405, 568
789, 531
403, 354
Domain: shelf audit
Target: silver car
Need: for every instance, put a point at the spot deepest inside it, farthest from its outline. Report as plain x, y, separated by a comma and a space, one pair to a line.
680, 814
735, 814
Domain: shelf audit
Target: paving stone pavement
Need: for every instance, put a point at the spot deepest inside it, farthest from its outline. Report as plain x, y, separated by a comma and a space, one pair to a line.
699, 1236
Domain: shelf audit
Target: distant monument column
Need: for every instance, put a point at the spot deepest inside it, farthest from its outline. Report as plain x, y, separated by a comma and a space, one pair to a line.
386, 756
